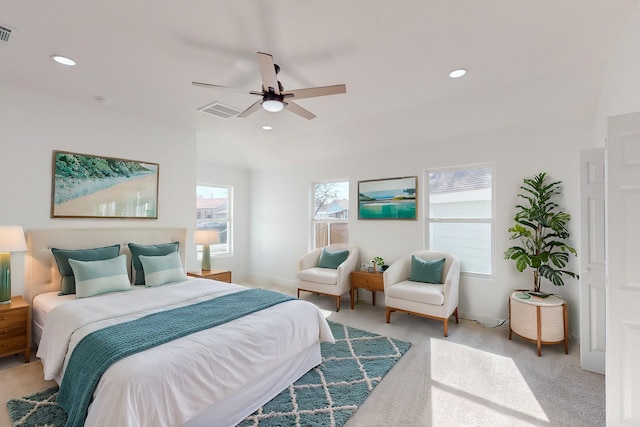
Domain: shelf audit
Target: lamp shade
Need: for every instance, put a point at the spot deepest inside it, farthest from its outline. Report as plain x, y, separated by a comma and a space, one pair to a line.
206, 237
12, 239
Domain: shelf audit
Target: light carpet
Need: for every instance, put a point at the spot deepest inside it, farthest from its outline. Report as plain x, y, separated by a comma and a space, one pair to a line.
328, 395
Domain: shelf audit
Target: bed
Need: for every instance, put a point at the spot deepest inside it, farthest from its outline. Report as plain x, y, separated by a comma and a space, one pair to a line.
216, 376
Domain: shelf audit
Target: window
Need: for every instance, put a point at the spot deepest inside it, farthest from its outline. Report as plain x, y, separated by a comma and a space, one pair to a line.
330, 213
213, 212
459, 215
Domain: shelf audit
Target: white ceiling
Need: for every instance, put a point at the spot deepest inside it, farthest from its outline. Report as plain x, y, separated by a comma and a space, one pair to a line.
529, 61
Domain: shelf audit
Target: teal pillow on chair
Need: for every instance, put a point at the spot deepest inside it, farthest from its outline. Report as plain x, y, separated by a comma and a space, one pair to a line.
62, 256
427, 271
99, 277
330, 259
148, 250
160, 270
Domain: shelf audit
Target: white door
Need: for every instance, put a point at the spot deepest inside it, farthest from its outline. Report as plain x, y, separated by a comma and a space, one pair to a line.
623, 270
593, 322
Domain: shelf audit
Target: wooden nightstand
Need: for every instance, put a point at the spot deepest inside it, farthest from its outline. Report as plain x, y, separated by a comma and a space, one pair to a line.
15, 328
365, 280
220, 275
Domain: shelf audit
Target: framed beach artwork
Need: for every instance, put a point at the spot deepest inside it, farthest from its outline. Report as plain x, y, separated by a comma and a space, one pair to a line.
391, 198
87, 186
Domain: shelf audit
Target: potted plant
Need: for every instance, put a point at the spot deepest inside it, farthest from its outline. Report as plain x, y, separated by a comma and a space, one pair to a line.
541, 230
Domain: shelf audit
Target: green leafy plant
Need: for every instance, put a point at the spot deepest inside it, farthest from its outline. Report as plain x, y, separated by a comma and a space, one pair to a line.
377, 261
542, 232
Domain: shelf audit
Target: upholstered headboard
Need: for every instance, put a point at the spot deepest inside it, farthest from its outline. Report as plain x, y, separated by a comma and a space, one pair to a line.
41, 271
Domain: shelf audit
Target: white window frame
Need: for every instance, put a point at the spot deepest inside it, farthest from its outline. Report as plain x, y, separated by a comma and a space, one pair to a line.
229, 222
312, 206
491, 221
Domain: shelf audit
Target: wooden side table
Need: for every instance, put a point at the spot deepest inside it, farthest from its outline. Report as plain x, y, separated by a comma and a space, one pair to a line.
15, 328
220, 275
365, 280
539, 320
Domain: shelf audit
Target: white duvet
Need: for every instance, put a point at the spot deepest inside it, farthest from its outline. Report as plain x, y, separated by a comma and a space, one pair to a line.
170, 384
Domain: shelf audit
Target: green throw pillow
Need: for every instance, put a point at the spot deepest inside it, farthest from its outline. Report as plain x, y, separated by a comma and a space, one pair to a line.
62, 256
148, 250
160, 270
427, 271
99, 277
330, 259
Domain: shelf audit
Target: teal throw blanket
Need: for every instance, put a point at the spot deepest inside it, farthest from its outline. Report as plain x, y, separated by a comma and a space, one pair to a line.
97, 351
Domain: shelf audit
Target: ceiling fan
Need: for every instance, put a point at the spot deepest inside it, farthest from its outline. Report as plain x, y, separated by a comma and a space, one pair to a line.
274, 97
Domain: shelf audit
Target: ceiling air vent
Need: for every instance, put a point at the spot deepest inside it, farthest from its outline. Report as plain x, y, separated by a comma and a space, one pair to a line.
5, 33
220, 110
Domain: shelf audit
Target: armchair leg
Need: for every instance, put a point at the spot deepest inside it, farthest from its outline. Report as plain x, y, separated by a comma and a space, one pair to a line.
337, 304
388, 315
446, 327
298, 293
456, 314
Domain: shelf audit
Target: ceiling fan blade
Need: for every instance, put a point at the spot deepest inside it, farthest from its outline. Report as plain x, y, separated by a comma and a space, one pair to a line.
210, 86
295, 108
254, 107
268, 72
315, 91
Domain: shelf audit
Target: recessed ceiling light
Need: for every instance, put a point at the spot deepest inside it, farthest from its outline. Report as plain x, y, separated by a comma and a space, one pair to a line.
63, 60
266, 127
457, 73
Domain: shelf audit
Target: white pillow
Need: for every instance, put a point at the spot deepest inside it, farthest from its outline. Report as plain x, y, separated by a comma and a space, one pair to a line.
162, 269
99, 277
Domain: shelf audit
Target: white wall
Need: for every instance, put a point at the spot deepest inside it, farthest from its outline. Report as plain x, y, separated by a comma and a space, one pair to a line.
281, 207
33, 125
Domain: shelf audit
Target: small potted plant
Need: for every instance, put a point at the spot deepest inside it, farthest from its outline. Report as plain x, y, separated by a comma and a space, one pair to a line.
541, 231
377, 261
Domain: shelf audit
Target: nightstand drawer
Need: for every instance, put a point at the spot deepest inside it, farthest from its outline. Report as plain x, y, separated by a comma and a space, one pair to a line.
12, 331
13, 318
15, 328
372, 282
15, 343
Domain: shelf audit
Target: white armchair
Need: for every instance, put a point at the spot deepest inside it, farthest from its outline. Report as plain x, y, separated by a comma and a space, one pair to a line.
327, 281
435, 301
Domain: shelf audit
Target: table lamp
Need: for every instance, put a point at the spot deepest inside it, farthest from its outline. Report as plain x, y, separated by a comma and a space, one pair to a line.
206, 238
11, 240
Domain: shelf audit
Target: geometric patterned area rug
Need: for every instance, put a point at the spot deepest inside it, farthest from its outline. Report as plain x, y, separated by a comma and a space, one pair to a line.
330, 393
327, 395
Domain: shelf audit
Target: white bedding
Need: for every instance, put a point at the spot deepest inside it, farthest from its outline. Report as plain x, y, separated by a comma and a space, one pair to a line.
172, 383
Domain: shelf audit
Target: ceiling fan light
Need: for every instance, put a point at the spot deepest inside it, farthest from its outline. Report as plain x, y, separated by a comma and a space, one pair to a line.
272, 105
457, 73
63, 60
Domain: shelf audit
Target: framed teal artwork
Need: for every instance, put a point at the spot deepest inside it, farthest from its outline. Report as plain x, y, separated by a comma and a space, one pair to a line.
88, 186
390, 198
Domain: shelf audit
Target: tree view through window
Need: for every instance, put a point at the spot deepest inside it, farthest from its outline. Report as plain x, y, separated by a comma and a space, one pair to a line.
330, 213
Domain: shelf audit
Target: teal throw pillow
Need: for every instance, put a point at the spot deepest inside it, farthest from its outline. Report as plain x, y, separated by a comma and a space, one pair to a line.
62, 256
160, 270
330, 259
148, 250
427, 271
99, 277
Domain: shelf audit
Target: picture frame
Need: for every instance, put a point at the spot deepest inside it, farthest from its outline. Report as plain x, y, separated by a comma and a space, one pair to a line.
90, 186
389, 198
